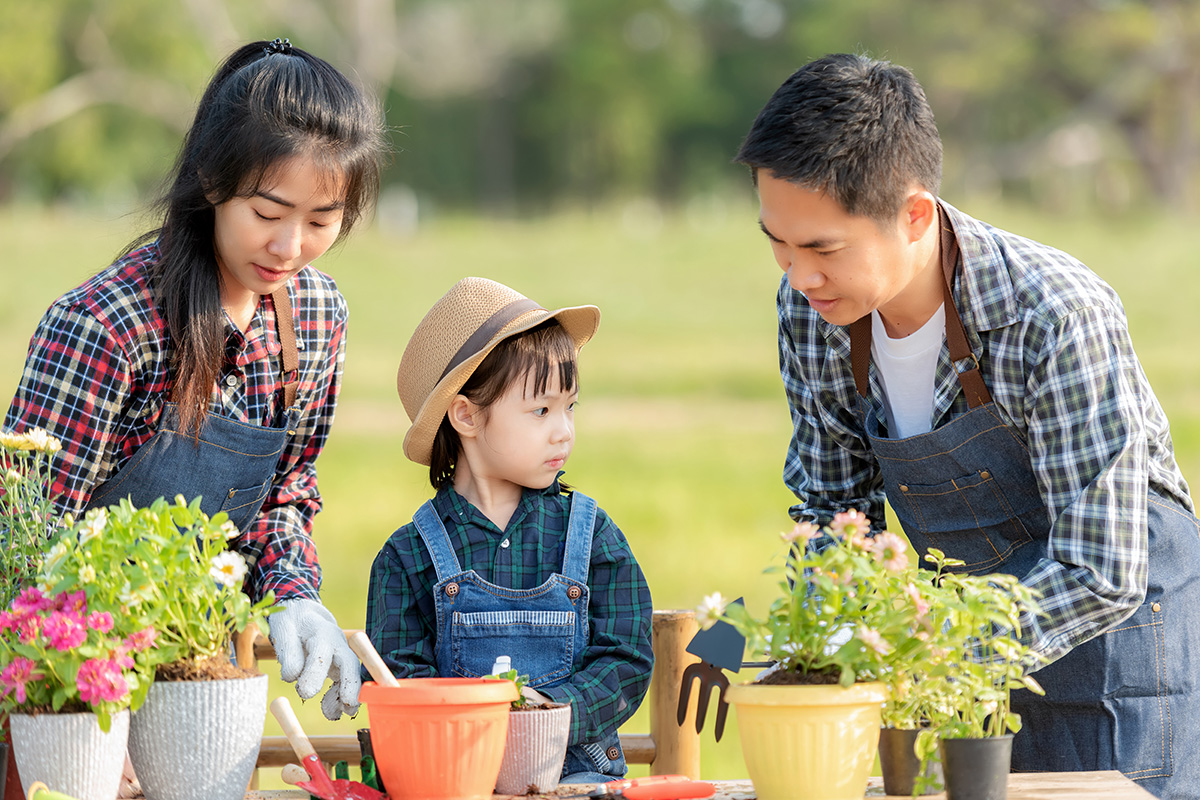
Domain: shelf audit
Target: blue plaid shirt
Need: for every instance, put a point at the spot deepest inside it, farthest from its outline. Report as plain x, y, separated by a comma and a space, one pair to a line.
615, 670
1056, 355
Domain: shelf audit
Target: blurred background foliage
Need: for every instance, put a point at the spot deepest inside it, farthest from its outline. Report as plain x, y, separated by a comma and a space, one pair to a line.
519, 107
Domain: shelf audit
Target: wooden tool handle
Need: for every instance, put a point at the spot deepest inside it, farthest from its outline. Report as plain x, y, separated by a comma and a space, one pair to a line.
282, 709
362, 647
293, 774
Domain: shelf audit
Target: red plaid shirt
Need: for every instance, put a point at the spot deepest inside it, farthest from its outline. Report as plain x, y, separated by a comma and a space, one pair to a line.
96, 377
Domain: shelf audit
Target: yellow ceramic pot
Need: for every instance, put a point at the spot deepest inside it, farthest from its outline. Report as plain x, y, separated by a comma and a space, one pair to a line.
808, 742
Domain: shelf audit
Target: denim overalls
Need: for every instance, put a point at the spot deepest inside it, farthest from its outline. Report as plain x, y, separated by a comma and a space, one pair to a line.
231, 466
1116, 701
543, 630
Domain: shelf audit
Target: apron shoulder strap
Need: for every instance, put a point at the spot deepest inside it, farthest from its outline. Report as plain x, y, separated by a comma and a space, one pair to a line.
577, 557
437, 541
285, 326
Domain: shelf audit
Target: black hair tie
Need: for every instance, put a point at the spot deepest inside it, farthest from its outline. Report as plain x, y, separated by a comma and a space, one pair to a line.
281, 46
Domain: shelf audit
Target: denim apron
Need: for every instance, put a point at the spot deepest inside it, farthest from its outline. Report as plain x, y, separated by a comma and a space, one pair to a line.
1117, 701
232, 464
543, 630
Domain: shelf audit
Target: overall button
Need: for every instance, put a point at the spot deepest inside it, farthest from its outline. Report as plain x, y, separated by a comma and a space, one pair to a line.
985, 475
451, 590
613, 753
574, 592
904, 487
1155, 607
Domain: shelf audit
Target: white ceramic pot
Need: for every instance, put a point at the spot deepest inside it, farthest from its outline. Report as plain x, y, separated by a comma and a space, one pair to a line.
198, 740
70, 754
534, 750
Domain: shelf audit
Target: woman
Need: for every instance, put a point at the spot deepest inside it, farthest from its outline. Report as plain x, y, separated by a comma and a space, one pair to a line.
206, 361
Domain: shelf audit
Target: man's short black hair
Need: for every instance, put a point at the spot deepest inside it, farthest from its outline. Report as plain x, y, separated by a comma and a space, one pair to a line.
857, 128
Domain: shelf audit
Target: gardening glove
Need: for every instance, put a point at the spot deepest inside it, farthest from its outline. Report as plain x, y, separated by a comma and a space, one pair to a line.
311, 647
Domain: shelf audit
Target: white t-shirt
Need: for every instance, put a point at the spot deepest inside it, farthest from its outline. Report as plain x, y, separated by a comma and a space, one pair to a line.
906, 367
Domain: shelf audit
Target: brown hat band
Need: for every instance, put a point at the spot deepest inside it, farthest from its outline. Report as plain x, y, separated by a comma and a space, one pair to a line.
484, 333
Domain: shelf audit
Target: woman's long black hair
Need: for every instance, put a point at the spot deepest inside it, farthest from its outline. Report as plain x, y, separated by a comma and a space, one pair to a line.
267, 103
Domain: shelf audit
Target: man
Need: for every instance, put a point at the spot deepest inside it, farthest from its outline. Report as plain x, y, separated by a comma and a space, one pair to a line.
986, 386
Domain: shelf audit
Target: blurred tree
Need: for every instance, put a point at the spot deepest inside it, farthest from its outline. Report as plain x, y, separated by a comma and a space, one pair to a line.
516, 106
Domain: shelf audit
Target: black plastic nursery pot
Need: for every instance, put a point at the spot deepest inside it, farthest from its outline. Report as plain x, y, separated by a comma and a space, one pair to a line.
977, 769
900, 765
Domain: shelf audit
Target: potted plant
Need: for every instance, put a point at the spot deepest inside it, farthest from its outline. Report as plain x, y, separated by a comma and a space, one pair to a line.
972, 692
810, 726
26, 522
536, 745
166, 568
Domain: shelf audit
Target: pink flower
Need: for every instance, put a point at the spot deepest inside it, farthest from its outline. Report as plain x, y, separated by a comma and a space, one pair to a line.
849, 524
802, 532
920, 603
31, 600
29, 628
141, 640
872, 639
101, 680
18, 673
73, 603
889, 550
101, 621
64, 631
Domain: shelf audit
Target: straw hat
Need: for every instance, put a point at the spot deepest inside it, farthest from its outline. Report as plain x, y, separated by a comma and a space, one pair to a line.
454, 338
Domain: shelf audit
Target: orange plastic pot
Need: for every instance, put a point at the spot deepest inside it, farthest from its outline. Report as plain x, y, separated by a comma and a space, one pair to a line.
439, 738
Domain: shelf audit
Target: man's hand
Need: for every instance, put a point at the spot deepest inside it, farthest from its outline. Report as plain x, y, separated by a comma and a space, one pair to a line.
311, 647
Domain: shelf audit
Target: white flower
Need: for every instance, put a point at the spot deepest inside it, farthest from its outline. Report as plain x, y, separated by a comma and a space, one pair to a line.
57, 553
93, 525
87, 573
230, 530
710, 610
228, 569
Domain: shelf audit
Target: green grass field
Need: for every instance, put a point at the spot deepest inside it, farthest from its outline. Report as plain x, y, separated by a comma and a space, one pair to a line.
682, 426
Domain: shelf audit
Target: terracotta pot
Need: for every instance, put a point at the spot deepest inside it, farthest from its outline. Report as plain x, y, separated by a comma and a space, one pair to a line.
70, 754
977, 769
900, 766
198, 740
534, 750
439, 738
808, 742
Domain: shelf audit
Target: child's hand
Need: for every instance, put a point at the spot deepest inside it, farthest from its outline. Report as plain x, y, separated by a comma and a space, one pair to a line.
535, 697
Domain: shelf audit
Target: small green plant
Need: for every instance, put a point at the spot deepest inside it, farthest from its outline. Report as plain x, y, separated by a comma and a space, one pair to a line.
985, 659
520, 681
165, 567
27, 518
847, 609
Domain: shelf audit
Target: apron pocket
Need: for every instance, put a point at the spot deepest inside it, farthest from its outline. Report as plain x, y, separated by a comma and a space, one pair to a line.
243, 504
1137, 694
541, 644
971, 518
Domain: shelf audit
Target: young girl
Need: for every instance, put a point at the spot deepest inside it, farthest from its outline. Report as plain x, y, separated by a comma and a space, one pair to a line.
206, 361
505, 559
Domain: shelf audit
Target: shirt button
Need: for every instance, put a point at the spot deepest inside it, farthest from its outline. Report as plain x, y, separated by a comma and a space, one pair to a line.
231, 380
504, 544
451, 590
574, 592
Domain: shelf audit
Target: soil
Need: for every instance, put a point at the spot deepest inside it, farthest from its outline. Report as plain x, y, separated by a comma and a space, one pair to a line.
785, 677
217, 668
532, 707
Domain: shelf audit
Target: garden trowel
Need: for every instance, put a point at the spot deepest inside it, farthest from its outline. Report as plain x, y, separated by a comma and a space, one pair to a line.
319, 783
720, 648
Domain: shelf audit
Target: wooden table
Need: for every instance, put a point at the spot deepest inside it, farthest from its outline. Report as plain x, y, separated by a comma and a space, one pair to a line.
1028, 786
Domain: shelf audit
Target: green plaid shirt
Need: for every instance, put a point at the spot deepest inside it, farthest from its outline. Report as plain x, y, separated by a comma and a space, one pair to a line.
615, 668
1056, 355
